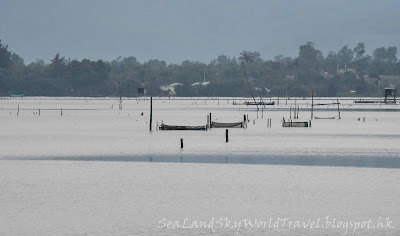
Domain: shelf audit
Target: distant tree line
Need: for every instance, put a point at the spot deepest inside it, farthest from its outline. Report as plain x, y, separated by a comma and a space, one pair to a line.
348, 72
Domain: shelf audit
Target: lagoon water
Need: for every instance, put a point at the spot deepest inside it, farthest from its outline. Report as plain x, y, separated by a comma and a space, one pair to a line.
97, 170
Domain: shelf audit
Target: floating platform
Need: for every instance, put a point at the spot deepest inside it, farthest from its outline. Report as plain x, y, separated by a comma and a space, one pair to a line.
324, 118
368, 101
227, 125
295, 124
182, 127
16, 95
260, 103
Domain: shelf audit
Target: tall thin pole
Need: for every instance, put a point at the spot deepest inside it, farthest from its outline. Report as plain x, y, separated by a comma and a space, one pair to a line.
279, 91
286, 97
312, 104
120, 96
298, 110
338, 109
151, 111
248, 85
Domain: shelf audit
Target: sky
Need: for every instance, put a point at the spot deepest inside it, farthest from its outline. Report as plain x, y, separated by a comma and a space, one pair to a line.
201, 30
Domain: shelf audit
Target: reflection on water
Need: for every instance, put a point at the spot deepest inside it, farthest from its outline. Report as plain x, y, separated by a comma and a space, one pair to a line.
363, 160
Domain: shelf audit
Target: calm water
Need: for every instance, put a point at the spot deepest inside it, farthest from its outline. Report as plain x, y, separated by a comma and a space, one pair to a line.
99, 171
130, 198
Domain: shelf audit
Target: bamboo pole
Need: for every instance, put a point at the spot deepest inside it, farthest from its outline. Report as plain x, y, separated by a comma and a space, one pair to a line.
279, 91
286, 98
312, 104
151, 111
298, 110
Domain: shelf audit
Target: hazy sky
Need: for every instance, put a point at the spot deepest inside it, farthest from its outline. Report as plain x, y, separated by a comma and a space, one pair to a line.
175, 30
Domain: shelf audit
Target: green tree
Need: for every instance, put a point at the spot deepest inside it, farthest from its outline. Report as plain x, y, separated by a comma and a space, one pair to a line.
247, 57
5, 56
57, 65
331, 62
361, 62
345, 56
359, 51
309, 56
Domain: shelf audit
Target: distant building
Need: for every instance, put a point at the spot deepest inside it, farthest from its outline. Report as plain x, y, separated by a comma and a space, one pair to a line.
342, 71
390, 77
201, 83
390, 95
170, 89
326, 75
141, 91
204, 83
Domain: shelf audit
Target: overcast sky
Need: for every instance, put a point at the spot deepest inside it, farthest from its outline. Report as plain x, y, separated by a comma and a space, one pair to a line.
173, 30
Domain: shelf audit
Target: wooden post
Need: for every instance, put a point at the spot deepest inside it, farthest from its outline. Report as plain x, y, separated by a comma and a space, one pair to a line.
151, 111
312, 104
208, 122
181, 142
279, 91
286, 98
294, 112
262, 112
298, 110
120, 96
257, 113
338, 109
290, 112
309, 123
210, 119
226, 135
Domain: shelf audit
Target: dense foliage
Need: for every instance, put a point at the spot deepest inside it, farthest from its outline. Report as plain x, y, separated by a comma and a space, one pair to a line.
344, 73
